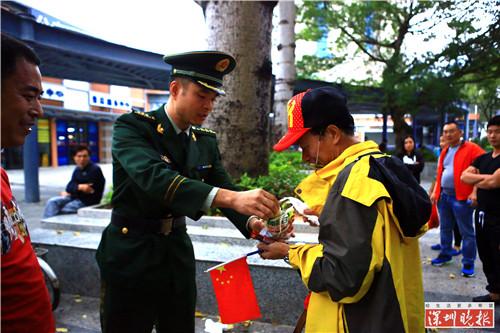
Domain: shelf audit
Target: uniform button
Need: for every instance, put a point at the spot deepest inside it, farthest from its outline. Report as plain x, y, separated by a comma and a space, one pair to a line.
124, 230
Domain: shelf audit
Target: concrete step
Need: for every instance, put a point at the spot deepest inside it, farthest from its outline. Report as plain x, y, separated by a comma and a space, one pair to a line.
100, 214
202, 230
72, 256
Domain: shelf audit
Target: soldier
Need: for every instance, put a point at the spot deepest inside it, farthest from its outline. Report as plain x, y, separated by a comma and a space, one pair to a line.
165, 168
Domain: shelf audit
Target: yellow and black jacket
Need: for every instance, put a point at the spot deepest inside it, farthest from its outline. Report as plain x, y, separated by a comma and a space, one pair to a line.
365, 274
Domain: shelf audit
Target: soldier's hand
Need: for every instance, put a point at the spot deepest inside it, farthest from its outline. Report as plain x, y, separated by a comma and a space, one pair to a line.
254, 202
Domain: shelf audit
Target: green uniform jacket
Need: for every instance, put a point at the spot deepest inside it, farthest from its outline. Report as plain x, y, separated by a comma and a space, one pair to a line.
153, 178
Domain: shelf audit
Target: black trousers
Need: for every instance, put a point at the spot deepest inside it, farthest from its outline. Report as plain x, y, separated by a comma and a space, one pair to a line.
168, 305
488, 248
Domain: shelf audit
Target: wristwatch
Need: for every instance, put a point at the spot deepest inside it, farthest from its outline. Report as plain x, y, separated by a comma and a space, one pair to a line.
286, 259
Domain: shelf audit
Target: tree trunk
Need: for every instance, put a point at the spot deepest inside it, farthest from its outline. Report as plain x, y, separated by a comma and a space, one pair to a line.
241, 118
285, 64
400, 127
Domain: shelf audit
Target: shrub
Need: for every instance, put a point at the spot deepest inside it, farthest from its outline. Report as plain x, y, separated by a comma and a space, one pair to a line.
286, 170
428, 155
106, 198
483, 143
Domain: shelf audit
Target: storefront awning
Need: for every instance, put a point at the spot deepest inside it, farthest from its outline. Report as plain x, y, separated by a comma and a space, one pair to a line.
62, 113
73, 55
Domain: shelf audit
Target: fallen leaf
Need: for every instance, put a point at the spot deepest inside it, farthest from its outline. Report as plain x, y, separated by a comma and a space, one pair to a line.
452, 276
61, 329
59, 232
199, 314
76, 233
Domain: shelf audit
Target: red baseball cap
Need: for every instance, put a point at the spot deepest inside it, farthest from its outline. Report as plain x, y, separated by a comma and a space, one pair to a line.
295, 123
315, 108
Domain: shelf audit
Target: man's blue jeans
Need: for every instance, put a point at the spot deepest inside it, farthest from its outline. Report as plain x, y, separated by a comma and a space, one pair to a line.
453, 211
62, 205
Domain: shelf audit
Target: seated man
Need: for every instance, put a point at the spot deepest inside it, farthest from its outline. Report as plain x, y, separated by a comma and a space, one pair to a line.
84, 189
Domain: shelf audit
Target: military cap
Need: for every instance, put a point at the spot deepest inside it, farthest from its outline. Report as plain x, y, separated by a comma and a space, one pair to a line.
206, 68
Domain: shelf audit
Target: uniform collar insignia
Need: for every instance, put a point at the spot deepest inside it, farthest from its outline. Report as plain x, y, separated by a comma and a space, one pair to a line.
160, 129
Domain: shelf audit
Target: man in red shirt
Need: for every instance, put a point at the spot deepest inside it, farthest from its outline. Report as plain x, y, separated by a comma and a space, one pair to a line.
25, 303
452, 196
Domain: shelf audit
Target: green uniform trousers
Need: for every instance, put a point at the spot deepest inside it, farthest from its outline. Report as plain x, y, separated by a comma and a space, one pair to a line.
167, 302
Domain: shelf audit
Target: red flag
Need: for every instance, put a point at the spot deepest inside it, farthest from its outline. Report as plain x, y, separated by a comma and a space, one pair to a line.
234, 291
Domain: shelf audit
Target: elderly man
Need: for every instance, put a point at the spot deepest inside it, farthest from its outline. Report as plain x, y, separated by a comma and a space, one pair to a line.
365, 274
25, 300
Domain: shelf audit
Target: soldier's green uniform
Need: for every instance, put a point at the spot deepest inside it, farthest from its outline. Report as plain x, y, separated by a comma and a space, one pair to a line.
145, 256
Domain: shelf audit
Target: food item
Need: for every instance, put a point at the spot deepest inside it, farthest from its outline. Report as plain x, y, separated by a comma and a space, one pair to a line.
281, 225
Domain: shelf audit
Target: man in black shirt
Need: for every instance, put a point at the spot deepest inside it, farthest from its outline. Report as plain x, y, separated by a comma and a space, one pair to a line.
484, 173
84, 189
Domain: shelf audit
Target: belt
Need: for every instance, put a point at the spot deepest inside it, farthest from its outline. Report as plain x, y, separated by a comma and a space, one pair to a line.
158, 226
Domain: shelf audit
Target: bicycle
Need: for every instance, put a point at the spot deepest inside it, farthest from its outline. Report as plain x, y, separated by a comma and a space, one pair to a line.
51, 279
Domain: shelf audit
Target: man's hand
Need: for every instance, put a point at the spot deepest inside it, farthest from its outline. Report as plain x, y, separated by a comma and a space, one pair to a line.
471, 176
473, 197
65, 194
310, 212
86, 188
276, 250
254, 202
490, 181
256, 224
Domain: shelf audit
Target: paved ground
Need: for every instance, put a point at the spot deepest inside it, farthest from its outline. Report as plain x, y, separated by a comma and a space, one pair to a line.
80, 314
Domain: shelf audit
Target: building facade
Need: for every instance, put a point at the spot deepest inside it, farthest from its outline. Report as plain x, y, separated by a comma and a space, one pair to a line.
81, 113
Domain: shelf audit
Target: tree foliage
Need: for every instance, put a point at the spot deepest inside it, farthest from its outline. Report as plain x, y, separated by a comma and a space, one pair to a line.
381, 33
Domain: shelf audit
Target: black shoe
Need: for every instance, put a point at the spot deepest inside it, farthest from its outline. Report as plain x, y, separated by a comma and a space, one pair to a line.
485, 298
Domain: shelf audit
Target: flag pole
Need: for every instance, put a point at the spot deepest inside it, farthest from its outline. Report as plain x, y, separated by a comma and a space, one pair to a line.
253, 252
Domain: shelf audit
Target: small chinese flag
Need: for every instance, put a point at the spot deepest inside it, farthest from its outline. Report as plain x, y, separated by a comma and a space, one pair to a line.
234, 291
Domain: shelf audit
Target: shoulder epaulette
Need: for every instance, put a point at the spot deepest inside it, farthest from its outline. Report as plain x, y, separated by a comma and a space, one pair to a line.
203, 131
144, 115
